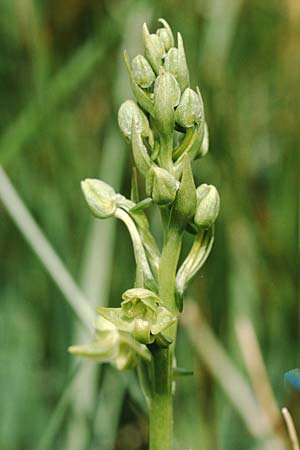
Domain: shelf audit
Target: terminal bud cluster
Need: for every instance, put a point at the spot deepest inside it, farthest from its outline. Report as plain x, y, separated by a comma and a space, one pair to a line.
166, 129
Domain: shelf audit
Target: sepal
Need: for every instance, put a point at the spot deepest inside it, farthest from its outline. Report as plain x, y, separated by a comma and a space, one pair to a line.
114, 346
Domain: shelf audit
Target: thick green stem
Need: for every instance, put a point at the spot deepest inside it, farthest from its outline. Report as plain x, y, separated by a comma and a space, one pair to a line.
165, 155
161, 403
168, 265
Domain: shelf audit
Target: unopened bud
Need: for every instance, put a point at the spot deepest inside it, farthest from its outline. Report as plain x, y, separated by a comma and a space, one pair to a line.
166, 97
208, 206
142, 71
175, 62
154, 49
189, 111
166, 35
129, 112
171, 61
186, 201
100, 197
161, 186
143, 98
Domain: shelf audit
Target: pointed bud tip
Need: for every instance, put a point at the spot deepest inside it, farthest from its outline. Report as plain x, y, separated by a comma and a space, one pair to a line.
145, 29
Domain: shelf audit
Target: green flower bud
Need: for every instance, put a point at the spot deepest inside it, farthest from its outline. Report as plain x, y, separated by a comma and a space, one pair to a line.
208, 206
129, 112
175, 62
154, 49
166, 86
161, 186
143, 98
186, 200
100, 197
142, 71
171, 61
166, 97
165, 34
189, 111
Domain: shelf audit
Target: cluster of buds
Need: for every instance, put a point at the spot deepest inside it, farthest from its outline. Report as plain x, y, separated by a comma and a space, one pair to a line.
166, 129
165, 125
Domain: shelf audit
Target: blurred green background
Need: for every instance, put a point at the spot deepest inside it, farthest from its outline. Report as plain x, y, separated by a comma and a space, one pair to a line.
62, 81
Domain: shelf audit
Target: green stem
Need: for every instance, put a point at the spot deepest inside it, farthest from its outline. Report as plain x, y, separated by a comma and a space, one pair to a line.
165, 154
161, 402
168, 265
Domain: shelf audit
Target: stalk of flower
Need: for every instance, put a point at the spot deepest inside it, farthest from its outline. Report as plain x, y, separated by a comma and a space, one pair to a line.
208, 206
140, 219
103, 202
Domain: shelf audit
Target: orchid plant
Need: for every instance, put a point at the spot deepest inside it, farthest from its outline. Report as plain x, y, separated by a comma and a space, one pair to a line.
166, 129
